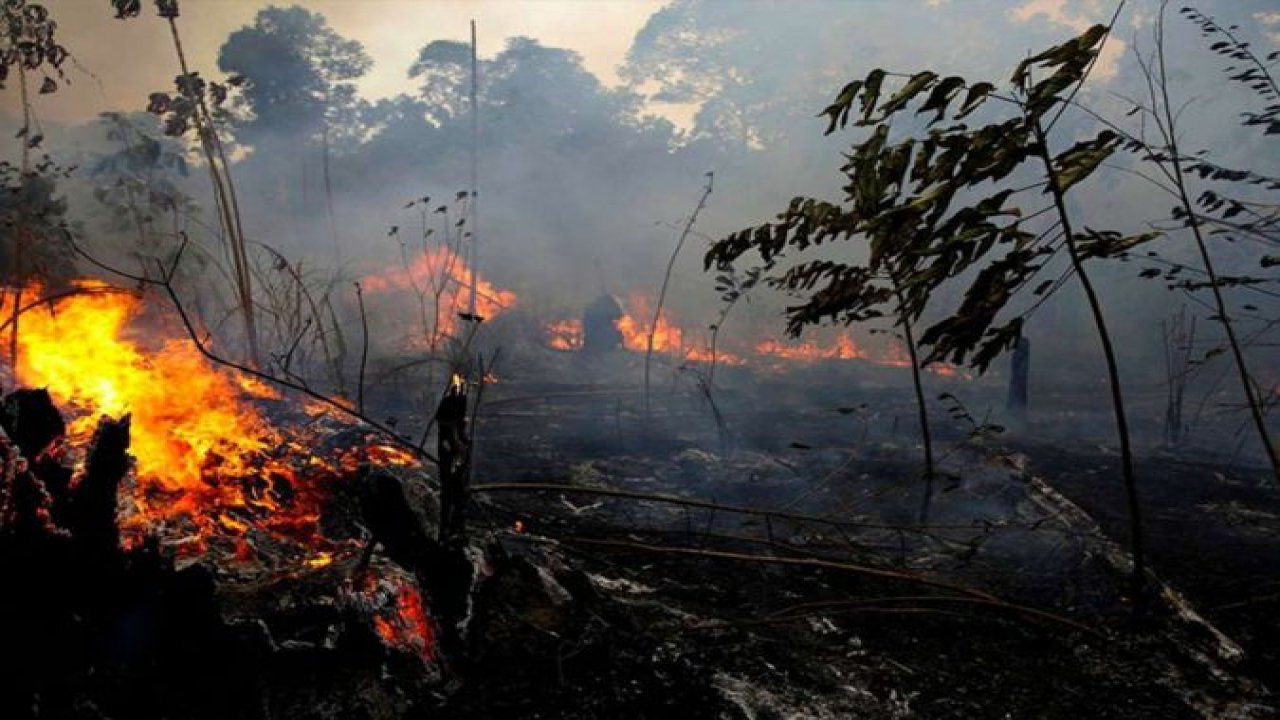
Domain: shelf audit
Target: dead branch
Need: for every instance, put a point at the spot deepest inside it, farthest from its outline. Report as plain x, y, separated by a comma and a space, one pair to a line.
817, 563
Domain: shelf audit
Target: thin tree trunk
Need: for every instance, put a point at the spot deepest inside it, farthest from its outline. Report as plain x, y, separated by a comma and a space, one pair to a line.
224, 192
20, 222
922, 408
1193, 220
662, 293
1136, 543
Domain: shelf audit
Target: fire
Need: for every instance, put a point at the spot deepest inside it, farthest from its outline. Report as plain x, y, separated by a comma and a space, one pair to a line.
844, 348
208, 461
443, 280
564, 335
404, 624
669, 338
634, 326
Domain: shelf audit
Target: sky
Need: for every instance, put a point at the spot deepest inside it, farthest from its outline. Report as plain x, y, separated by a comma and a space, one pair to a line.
118, 62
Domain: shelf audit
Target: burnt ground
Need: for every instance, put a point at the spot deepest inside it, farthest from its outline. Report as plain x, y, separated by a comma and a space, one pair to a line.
767, 565
1213, 531
839, 447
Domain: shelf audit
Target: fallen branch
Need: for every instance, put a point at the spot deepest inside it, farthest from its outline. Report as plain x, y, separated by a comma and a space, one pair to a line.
898, 575
969, 595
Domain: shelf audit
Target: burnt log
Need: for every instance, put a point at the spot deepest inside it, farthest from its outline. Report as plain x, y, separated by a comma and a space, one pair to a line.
26, 506
392, 522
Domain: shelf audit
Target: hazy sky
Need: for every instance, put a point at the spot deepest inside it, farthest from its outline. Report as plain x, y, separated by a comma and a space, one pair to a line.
119, 62
130, 58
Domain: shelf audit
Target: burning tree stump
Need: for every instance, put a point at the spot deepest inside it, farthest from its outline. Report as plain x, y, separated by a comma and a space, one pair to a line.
453, 446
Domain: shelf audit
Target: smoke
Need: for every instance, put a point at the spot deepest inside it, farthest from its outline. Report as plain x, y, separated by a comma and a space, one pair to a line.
583, 189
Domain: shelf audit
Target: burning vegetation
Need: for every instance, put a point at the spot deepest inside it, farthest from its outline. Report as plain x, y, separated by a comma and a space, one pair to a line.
256, 464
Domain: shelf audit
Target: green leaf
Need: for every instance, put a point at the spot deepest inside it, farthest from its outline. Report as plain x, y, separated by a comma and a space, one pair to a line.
838, 111
871, 93
977, 95
942, 95
916, 85
1078, 162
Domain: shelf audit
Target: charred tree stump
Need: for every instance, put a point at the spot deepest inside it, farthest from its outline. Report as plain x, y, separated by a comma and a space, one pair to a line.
1020, 369
454, 452
91, 515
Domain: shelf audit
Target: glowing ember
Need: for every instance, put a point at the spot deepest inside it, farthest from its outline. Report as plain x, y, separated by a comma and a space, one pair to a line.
208, 462
404, 624
443, 280
321, 559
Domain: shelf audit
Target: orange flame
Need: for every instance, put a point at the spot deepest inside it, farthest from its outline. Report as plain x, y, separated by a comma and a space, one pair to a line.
634, 326
439, 273
206, 457
844, 348
564, 335
405, 626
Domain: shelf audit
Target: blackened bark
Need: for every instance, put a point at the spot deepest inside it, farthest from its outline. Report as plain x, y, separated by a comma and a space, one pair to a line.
91, 517
453, 442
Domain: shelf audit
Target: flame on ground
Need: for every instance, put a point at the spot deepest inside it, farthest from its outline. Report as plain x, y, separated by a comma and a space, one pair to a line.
670, 339
844, 348
208, 461
564, 335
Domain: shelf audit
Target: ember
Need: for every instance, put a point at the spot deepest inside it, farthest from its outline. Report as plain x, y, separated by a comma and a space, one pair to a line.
400, 617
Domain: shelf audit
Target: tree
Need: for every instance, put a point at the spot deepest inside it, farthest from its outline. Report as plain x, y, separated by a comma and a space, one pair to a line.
298, 77
139, 182
298, 91
1176, 169
197, 106
902, 198
28, 44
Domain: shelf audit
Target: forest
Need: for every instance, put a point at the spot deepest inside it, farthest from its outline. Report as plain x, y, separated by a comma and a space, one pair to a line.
637, 359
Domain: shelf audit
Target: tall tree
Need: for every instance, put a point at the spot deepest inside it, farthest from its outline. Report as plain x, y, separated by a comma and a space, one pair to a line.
298, 94
299, 76
937, 205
